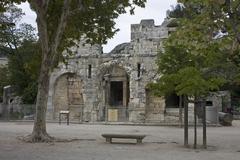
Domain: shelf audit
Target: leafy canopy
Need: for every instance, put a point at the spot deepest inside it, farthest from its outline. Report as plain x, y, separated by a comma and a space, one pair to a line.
93, 19
198, 57
18, 43
24, 69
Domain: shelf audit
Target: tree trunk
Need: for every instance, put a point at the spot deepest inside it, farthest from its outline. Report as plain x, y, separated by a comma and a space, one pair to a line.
185, 121
203, 105
49, 52
39, 133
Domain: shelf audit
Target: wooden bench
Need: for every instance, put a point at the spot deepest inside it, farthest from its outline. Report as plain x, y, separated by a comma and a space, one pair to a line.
109, 137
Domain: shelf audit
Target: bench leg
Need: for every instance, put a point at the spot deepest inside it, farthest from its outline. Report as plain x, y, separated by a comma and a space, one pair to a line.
59, 118
139, 140
109, 140
67, 119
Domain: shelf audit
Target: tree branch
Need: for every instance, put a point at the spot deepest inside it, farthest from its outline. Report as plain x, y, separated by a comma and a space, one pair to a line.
79, 8
10, 46
60, 30
46, 3
42, 24
8, 41
14, 39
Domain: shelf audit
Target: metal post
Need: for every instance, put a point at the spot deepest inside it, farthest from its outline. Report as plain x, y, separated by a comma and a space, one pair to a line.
185, 122
204, 125
180, 112
195, 126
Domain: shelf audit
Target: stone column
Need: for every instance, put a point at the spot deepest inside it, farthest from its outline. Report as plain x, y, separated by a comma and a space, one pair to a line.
124, 94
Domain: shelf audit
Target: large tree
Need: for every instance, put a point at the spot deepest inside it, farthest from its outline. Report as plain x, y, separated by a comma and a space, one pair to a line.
60, 22
203, 53
206, 43
192, 61
212, 21
18, 42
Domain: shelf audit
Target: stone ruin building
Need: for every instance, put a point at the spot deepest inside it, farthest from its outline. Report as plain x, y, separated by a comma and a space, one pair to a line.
111, 87
97, 86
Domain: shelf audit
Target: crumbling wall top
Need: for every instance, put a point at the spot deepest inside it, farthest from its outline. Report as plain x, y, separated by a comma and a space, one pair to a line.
147, 29
147, 22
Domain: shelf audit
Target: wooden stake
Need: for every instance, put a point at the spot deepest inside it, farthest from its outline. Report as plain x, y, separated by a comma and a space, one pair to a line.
180, 111
204, 125
195, 126
185, 122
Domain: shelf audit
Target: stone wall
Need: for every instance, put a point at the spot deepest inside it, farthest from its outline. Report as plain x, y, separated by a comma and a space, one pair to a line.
96, 71
155, 108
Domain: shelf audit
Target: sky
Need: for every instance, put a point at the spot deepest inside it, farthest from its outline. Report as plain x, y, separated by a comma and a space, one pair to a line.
155, 9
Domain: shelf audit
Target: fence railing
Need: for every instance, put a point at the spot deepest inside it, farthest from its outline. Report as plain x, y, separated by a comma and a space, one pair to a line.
17, 111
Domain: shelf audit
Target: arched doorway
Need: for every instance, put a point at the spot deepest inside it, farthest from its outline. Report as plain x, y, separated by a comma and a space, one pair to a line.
116, 91
68, 96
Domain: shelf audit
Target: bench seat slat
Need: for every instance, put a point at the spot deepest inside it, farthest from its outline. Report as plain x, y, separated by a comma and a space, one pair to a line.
130, 136
123, 136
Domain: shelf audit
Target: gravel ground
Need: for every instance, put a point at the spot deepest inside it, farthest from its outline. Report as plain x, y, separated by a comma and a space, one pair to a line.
161, 143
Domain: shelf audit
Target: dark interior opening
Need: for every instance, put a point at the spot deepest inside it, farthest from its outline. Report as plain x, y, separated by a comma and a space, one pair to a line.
116, 93
89, 71
172, 101
209, 103
138, 69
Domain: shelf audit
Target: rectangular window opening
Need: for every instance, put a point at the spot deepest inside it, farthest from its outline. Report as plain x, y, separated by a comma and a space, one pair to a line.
89, 71
138, 69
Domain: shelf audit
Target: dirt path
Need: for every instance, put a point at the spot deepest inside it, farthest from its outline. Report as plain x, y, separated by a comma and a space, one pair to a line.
164, 143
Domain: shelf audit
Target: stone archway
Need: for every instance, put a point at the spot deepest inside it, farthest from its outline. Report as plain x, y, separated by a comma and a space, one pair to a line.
68, 95
116, 93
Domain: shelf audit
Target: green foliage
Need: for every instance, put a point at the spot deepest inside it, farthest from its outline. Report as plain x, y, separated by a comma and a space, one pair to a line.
18, 43
214, 17
194, 60
92, 18
5, 3
24, 69
190, 81
177, 11
173, 59
12, 32
29, 93
186, 81
165, 86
